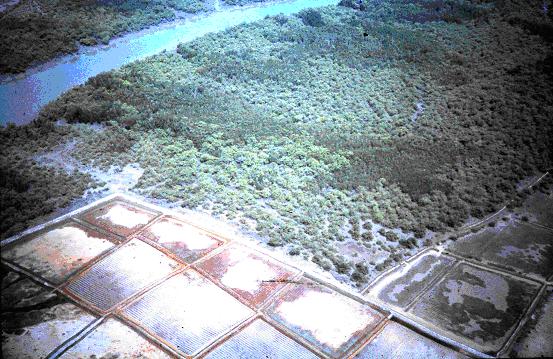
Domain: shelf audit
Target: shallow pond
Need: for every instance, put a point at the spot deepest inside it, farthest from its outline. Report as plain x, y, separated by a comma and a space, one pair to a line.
22, 97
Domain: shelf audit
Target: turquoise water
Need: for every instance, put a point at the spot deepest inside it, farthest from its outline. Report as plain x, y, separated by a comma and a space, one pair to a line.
21, 99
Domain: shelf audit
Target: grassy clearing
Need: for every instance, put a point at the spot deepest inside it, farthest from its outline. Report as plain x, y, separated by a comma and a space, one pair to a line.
333, 126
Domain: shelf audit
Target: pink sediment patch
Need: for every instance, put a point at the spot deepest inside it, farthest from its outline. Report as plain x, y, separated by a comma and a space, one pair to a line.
253, 275
173, 232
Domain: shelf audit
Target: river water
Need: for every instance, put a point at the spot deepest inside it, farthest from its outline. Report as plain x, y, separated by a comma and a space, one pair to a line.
21, 98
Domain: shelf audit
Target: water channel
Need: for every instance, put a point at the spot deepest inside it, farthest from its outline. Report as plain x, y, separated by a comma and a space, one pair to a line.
22, 97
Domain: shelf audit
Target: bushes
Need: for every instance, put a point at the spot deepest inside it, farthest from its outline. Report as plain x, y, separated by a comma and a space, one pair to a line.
61, 25
311, 17
189, 6
389, 235
31, 39
422, 11
359, 275
409, 243
28, 191
186, 52
354, 4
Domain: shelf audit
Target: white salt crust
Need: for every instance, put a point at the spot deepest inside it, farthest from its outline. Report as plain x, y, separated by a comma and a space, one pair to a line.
124, 217
169, 232
330, 318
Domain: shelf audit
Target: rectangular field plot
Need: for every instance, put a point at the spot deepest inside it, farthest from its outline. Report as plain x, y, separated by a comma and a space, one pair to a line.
403, 284
397, 341
112, 339
476, 307
535, 339
188, 311
55, 253
254, 276
121, 274
119, 217
330, 321
523, 248
187, 242
260, 340
473, 245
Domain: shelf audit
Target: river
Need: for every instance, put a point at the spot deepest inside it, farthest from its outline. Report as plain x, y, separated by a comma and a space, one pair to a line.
22, 97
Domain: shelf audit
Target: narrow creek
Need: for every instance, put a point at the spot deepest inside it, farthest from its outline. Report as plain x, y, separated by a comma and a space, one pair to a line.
22, 97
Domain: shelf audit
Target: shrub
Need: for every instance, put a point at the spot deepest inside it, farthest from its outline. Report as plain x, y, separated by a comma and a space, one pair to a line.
409, 243
186, 51
311, 17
